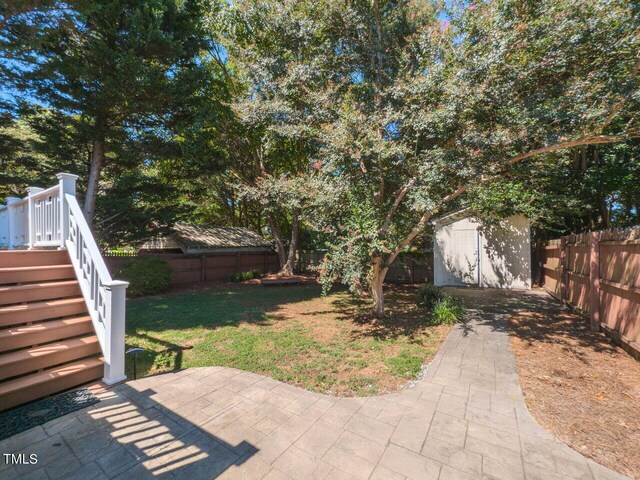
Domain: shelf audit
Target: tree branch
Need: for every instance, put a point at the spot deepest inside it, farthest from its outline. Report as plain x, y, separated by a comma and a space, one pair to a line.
589, 140
396, 204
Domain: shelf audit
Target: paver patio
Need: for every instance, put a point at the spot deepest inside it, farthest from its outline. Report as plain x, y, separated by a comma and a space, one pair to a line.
465, 419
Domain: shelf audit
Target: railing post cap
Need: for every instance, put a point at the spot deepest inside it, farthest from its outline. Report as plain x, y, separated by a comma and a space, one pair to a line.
70, 176
32, 190
116, 284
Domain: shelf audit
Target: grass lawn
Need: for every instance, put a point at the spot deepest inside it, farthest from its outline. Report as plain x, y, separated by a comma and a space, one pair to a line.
293, 334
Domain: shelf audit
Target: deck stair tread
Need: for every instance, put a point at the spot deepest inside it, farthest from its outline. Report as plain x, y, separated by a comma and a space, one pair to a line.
42, 356
35, 274
36, 311
47, 349
33, 292
49, 375
39, 305
44, 332
24, 258
37, 268
17, 289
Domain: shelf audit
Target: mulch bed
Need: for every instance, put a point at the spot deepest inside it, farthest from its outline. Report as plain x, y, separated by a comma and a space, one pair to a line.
24, 417
279, 280
580, 387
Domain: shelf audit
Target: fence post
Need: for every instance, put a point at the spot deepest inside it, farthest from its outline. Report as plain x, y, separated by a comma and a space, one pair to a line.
594, 281
67, 186
31, 234
563, 269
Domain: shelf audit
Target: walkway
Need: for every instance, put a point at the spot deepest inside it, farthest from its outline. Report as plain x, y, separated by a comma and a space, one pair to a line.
465, 420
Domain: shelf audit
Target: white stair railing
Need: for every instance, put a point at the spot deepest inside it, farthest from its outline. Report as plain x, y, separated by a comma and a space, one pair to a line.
53, 218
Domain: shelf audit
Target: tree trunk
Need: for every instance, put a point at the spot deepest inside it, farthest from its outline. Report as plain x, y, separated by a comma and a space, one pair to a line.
97, 158
277, 235
378, 274
287, 268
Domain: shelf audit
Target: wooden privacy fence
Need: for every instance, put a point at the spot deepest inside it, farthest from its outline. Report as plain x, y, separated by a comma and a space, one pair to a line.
407, 268
598, 273
188, 268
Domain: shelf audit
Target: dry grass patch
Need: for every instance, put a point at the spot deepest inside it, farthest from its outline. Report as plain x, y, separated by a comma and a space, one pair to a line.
580, 387
327, 344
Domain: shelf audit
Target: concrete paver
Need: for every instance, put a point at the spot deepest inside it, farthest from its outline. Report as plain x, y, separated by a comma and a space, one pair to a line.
465, 419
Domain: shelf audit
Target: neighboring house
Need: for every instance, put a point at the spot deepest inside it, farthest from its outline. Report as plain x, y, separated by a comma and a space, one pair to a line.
194, 239
468, 251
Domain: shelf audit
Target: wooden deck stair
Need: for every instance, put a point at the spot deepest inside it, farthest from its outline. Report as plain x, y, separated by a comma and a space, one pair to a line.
47, 341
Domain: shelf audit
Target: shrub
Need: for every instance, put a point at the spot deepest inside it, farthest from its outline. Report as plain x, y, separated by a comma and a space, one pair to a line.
146, 276
447, 310
428, 295
243, 276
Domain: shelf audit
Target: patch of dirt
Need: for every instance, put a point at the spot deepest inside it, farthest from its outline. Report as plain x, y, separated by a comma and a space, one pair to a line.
579, 386
344, 323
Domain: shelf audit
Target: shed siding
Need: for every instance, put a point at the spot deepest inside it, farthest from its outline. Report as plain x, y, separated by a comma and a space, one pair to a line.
505, 254
468, 252
455, 253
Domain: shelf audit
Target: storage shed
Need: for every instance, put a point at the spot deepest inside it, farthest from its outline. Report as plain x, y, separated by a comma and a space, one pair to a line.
470, 252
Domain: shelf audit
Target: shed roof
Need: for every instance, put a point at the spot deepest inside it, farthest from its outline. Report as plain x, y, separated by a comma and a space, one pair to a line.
453, 216
207, 237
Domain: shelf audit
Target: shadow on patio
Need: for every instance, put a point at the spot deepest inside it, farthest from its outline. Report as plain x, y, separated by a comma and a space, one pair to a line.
140, 432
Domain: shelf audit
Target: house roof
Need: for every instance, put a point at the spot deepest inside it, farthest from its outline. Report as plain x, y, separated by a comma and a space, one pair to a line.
206, 237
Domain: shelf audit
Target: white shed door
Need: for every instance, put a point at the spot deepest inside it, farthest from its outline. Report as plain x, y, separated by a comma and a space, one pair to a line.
465, 250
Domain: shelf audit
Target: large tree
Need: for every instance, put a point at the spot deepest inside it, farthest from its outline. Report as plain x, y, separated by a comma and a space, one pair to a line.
279, 63
112, 72
499, 83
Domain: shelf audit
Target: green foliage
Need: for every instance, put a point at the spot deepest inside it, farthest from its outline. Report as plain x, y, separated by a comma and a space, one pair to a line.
243, 276
117, 77
447, 310
428, 295
146, 275
357, 121
569, 192
20, 166
468, 99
